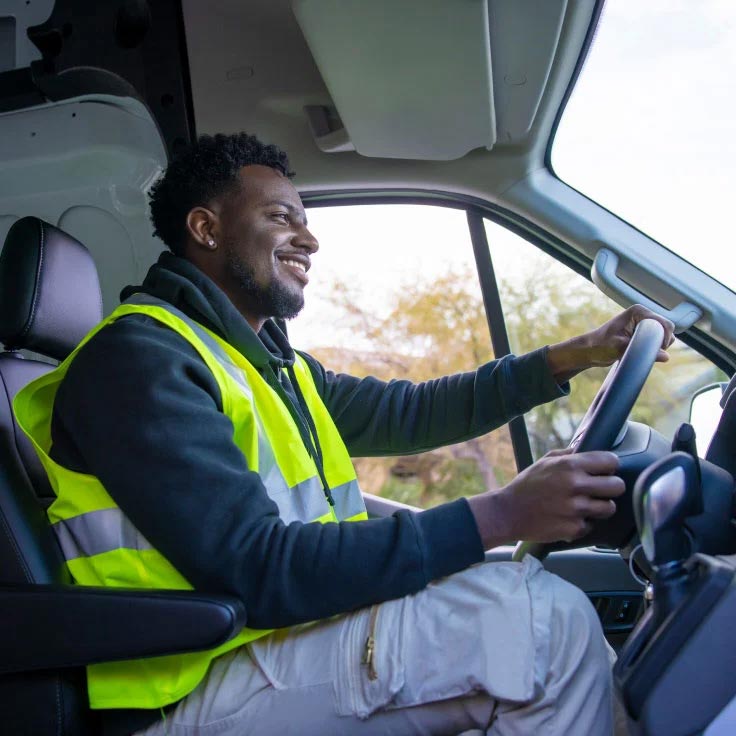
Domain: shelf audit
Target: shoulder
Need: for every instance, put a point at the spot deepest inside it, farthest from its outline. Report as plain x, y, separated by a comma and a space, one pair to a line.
139, 339
137, 352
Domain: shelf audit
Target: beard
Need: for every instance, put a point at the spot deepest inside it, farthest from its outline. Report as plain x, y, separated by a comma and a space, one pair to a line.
274, 300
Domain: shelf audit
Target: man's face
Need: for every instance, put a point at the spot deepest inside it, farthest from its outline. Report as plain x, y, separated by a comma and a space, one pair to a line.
266, 245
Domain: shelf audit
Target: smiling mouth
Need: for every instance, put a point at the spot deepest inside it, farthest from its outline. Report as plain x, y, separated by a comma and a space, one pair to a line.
295, 264
297, 267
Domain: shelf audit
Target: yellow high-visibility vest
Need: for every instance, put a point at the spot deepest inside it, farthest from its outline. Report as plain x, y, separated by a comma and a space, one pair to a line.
102, 547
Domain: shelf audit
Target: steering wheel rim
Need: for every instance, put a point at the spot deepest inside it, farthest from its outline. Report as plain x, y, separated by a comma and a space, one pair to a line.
606, 417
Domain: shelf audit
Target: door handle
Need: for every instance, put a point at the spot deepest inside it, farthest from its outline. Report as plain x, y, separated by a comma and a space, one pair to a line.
604, 276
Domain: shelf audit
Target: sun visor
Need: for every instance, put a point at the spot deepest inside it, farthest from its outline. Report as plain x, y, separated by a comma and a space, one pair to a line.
409, 79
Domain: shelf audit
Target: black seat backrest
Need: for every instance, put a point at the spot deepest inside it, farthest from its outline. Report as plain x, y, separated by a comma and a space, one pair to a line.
49, 299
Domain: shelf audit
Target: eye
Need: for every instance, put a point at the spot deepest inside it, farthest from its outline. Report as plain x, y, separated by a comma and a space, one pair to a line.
282, 216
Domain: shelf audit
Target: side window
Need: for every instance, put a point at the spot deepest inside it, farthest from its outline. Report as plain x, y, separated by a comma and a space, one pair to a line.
545, 302
394, 293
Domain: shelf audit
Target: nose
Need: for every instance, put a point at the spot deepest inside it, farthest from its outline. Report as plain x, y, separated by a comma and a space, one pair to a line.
305, 239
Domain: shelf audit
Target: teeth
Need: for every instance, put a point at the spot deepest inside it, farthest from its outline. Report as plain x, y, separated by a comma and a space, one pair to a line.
295, 264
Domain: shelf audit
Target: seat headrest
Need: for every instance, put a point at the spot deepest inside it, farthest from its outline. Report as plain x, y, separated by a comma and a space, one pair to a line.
49, 289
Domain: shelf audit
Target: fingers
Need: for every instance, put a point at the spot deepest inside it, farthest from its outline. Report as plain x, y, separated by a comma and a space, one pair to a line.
609, 341
597, 462
603, 486
638, 312
561, 496
597, 478
592, 505
589, 472
593, 508
589, 509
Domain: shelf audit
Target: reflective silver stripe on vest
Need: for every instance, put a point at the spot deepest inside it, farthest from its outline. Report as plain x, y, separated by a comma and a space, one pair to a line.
348, 500
305, 501
96, 532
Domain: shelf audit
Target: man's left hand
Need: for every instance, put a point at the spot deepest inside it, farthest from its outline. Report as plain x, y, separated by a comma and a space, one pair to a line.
604, 345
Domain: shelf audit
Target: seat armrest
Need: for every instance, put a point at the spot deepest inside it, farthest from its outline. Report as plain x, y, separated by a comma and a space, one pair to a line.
53, 626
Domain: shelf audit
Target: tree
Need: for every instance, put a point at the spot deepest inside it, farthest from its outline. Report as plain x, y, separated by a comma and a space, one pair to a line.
431, 329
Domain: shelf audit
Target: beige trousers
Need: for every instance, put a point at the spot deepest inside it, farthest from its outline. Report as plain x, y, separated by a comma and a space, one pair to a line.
503, 647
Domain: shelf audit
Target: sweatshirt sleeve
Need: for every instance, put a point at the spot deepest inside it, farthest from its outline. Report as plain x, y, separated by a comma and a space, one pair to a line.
140, 410
399, 417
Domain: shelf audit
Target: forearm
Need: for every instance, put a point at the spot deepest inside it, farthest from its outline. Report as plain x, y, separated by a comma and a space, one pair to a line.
399, 417
287, 574
567, 359
291, 574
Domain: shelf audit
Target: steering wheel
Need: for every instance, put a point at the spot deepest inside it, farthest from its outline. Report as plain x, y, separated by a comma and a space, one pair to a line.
606, 417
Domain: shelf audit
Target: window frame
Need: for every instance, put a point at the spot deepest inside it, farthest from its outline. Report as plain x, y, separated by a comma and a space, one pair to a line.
476, 210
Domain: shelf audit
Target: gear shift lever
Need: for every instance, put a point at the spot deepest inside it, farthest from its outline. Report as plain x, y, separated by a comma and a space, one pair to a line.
664, 496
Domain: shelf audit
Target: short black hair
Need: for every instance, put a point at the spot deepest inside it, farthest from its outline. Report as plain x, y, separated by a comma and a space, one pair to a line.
201, 172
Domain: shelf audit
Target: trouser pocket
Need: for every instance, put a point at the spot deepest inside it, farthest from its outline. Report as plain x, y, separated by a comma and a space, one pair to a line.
476, 631
483, 630
370, 659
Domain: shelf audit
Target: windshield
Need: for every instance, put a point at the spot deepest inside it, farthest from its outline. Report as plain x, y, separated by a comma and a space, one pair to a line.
649, 129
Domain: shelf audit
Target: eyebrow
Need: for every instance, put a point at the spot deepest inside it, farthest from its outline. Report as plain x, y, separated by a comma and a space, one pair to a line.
287, 205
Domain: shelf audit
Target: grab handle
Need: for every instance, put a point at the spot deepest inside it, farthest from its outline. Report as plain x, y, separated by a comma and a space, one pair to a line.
603, 273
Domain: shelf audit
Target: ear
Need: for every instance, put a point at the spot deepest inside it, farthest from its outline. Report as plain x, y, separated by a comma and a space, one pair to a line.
202, 227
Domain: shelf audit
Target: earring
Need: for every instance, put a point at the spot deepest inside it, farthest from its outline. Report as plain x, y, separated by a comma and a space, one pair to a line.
211, 243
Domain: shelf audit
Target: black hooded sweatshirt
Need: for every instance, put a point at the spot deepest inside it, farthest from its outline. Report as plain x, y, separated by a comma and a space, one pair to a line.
140, 410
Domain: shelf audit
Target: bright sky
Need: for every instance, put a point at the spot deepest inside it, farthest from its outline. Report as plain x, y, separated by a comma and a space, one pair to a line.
648, 133
649, 130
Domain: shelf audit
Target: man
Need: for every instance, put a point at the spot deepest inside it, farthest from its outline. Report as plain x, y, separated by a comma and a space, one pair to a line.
191, 444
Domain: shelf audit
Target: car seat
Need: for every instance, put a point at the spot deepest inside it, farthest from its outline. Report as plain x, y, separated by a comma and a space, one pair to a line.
50, 628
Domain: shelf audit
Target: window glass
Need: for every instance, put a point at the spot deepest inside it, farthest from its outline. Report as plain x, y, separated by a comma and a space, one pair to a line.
648, 130
394, 293
545, 302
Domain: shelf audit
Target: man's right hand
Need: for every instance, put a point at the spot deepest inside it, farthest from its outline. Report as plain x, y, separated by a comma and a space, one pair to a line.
555, 499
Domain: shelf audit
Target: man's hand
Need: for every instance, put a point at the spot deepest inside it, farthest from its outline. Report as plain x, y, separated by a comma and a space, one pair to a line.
604, 345
554, 499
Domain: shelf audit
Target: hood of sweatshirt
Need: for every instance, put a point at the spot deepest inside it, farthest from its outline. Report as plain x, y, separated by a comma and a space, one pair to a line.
183, 285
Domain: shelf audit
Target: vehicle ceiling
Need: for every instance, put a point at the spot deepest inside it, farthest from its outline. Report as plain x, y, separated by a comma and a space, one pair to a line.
251, 69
